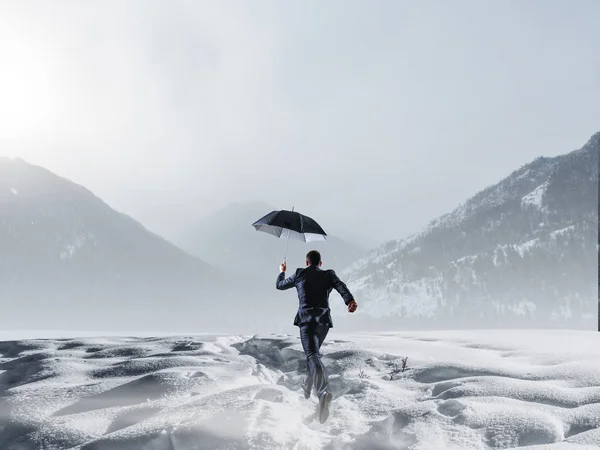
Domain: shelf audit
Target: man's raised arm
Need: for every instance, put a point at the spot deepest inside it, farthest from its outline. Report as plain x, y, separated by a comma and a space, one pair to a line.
282, 282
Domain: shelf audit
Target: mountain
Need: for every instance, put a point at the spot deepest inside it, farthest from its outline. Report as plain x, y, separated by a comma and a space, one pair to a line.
522, 252
227, 239
67, 260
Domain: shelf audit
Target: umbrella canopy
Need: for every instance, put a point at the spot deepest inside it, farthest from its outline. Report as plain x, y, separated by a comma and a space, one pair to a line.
291, 224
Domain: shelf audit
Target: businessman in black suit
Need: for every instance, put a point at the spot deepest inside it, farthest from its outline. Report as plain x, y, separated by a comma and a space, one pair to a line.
314, 319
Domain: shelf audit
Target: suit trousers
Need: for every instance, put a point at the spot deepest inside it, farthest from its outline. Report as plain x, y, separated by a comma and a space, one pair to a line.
312, 336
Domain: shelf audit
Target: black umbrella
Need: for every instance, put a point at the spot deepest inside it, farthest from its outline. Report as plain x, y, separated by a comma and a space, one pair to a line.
290, 224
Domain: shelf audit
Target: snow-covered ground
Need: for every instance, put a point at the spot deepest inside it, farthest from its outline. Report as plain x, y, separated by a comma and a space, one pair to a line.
461, 390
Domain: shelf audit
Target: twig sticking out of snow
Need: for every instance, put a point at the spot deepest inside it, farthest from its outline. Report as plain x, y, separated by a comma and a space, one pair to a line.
399, 368
363, 375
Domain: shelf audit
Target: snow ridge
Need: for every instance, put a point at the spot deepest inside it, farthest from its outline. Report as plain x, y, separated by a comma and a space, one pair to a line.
459, 390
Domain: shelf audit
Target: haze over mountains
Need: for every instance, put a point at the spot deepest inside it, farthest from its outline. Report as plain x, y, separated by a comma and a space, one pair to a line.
522, 252
69, 261
228, 240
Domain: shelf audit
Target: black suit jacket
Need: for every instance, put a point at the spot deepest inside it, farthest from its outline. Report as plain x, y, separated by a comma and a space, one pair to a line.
314, 286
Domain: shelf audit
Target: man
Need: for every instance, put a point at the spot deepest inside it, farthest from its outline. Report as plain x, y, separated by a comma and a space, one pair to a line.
314, 319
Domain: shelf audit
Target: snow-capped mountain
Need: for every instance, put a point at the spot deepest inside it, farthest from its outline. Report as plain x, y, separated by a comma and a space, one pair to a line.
521, 252
226, 239
68, 260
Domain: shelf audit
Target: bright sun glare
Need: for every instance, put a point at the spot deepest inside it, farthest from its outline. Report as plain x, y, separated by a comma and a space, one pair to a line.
27, 98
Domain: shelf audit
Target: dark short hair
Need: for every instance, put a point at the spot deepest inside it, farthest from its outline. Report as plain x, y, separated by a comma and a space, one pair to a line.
313, 257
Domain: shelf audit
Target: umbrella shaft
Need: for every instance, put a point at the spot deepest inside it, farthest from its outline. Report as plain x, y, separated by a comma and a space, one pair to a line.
286, 245
287, 241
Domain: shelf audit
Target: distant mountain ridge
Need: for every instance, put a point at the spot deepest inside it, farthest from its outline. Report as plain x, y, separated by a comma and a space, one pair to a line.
226, 239
67, 260
521, 252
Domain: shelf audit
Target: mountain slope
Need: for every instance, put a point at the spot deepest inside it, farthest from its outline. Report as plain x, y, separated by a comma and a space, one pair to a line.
520, 252
227, 239
68, 260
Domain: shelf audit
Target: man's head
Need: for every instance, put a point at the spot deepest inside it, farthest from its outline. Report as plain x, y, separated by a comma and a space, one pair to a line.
313, 258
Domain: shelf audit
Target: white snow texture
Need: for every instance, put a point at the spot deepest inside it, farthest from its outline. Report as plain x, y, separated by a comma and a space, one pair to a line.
461, 390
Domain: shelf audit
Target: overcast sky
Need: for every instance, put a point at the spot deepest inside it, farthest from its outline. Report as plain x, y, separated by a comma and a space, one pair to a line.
373, 117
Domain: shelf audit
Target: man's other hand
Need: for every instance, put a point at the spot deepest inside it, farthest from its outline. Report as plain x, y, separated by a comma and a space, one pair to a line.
282, 267
352, 306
